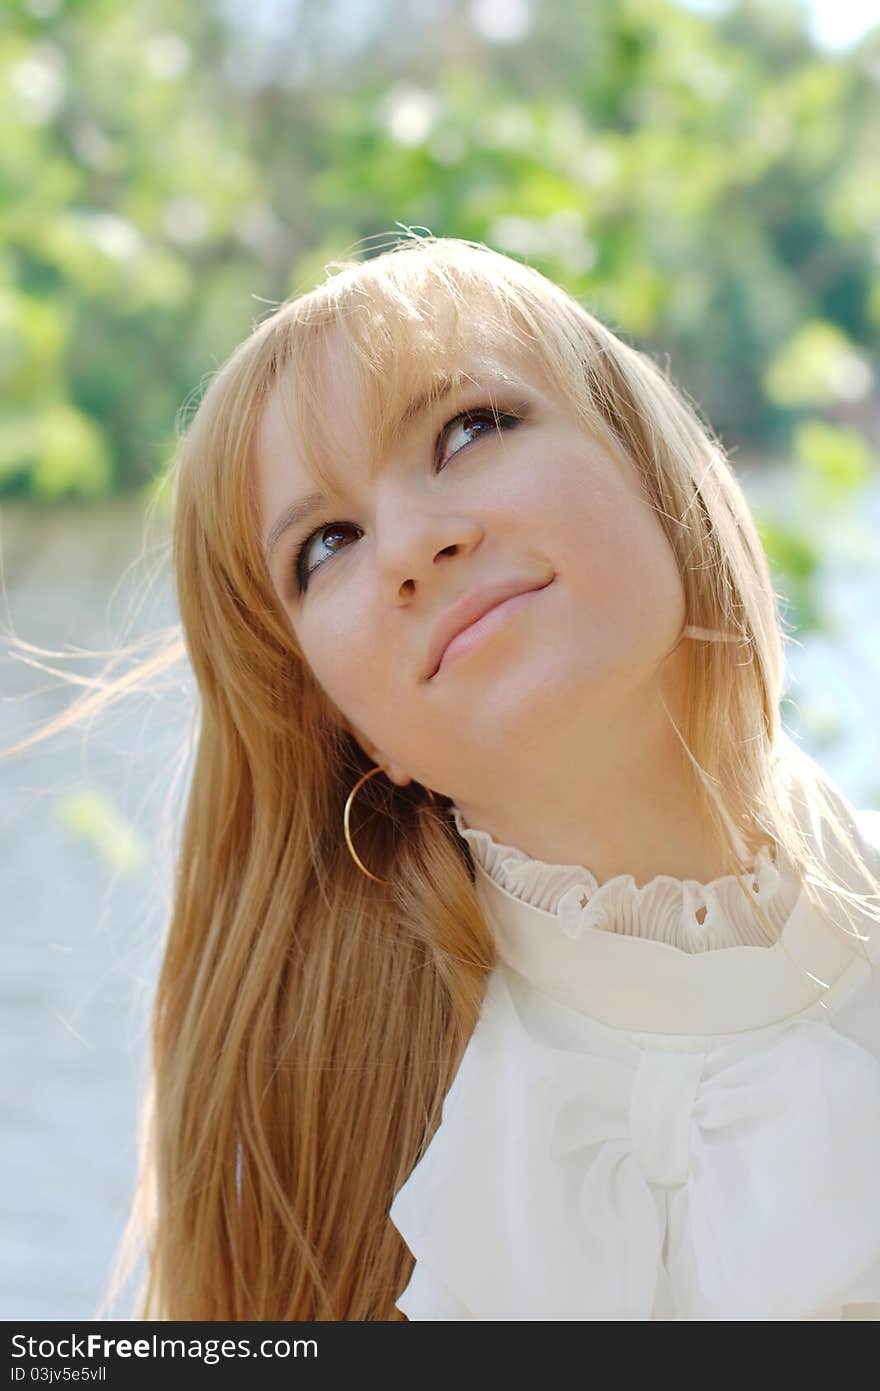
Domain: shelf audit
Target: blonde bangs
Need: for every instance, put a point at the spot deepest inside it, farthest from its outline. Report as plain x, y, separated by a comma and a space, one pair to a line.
417, 325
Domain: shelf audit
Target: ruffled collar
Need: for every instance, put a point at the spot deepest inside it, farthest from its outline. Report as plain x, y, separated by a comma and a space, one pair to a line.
684, 913
638, 958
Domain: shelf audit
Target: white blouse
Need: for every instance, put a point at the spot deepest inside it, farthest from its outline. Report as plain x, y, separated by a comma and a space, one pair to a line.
662, 1112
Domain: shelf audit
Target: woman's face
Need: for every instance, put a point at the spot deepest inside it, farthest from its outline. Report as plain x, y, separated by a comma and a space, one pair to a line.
457, 507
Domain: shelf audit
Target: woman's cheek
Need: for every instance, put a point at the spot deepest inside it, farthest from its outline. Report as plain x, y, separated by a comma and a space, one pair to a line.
330, 647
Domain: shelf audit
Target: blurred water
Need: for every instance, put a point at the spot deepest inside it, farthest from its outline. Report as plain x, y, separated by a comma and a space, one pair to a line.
81, 937
79, 931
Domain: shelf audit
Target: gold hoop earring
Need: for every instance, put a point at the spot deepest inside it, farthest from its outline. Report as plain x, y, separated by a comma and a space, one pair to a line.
347, 828
345, 823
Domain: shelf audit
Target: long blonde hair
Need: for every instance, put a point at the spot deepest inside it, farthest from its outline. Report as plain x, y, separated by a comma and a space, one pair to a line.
308, 1022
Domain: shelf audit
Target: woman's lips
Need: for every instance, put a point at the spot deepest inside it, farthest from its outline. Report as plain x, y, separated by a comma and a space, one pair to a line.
494, 619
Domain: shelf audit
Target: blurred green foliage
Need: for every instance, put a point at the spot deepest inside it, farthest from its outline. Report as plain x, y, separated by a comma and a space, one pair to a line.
796, 557
90, 815
707, 186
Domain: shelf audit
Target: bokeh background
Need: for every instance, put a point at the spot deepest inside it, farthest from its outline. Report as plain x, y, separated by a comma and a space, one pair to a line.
703, 176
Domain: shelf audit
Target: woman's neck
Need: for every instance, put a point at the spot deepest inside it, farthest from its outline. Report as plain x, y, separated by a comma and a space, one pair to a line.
626, 802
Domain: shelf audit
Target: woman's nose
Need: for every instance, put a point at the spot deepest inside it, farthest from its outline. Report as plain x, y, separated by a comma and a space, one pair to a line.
413, 539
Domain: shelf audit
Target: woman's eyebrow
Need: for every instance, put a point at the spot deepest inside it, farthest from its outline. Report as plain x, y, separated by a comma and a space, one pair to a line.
442, 385
292, 515
431, 395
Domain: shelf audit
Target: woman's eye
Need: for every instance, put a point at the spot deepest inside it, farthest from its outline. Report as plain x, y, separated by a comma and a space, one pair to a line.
466, 422
324, 535
481, 415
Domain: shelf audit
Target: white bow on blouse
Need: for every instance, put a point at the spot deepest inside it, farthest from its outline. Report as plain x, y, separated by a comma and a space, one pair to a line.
738, 1182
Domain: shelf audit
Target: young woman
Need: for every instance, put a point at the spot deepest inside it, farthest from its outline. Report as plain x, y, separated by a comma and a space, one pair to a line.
520, 965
